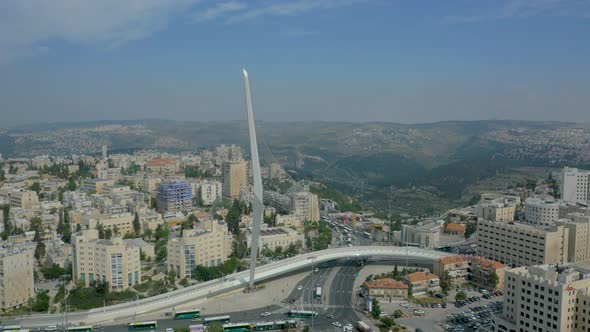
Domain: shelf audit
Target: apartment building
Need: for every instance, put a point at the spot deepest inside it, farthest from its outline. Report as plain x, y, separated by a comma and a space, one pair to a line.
209, 192
422, 282
481, 270
115, 261
95, 185
575, 186
162, 166
540, 212
475, 269
16, 276
174, 197
517, 244
545, 298
425, 236
290, 220
305, 206
21, 198
120, 223
234, 178
386, 289
457, 266
578, 226
209, 245
273, 237
496, 211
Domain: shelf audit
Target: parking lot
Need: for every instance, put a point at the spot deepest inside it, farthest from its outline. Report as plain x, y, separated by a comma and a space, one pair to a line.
471, 314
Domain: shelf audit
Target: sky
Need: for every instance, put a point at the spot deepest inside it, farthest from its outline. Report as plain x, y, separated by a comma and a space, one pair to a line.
408, 61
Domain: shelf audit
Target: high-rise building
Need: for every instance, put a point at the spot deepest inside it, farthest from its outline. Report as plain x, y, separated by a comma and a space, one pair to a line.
575, 186
234, 178
208, 192
517, 244
545, 298
540, 212
174, 196
209, 245
104, 152
115, 261
305, 206
578, 225
425, 236
496, 211
16, 276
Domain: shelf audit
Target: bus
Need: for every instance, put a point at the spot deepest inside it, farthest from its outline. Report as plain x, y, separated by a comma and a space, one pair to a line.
218, 319
302, 314
81, 329
279, 325
149, 325
187, 314
318, 293
16, 330
11, 328
238, 327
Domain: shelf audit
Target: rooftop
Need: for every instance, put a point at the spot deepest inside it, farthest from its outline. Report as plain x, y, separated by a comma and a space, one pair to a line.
420, 276
387, 283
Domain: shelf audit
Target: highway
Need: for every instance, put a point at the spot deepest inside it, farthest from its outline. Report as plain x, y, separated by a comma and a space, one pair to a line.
238, 280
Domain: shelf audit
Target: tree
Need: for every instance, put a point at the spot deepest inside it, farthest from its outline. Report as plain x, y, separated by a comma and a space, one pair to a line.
36, 187
395, 272
493, 280
41, 302
40, 251
446, 282
460, 296
161, 233
410, 291
148, 233
108, 234
100, 229
215, 327
398, 313
470, 228
387, 322
375, 308
78, 227
71, 184
172, 276
306, 329
136, 224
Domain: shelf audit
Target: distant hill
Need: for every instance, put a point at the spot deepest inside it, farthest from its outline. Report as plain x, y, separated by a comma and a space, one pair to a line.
380, 162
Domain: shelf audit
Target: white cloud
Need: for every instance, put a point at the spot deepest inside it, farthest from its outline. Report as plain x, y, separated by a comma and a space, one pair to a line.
219, 10
510, 9
24, 25
289, 7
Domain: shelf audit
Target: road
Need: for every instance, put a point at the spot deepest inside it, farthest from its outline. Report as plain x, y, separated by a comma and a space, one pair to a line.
338, 304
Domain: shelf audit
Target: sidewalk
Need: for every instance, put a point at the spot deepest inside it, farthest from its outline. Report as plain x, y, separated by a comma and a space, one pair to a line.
273, 292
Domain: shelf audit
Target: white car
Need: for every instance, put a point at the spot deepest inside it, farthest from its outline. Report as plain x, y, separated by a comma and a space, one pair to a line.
265, 314
337, 324
299, 287
169, 329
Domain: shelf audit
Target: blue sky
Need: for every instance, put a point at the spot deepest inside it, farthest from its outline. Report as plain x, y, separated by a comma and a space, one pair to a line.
346, 60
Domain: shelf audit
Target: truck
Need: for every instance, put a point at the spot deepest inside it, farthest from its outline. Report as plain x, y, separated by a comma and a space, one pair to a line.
363, 327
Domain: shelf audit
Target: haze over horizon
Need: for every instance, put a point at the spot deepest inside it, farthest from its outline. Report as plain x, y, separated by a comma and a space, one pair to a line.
350, 60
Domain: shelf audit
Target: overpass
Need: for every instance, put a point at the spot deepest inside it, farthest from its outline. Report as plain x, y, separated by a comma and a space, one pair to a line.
234, 281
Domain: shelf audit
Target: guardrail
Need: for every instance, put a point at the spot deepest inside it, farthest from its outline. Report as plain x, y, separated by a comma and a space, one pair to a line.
240, 279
